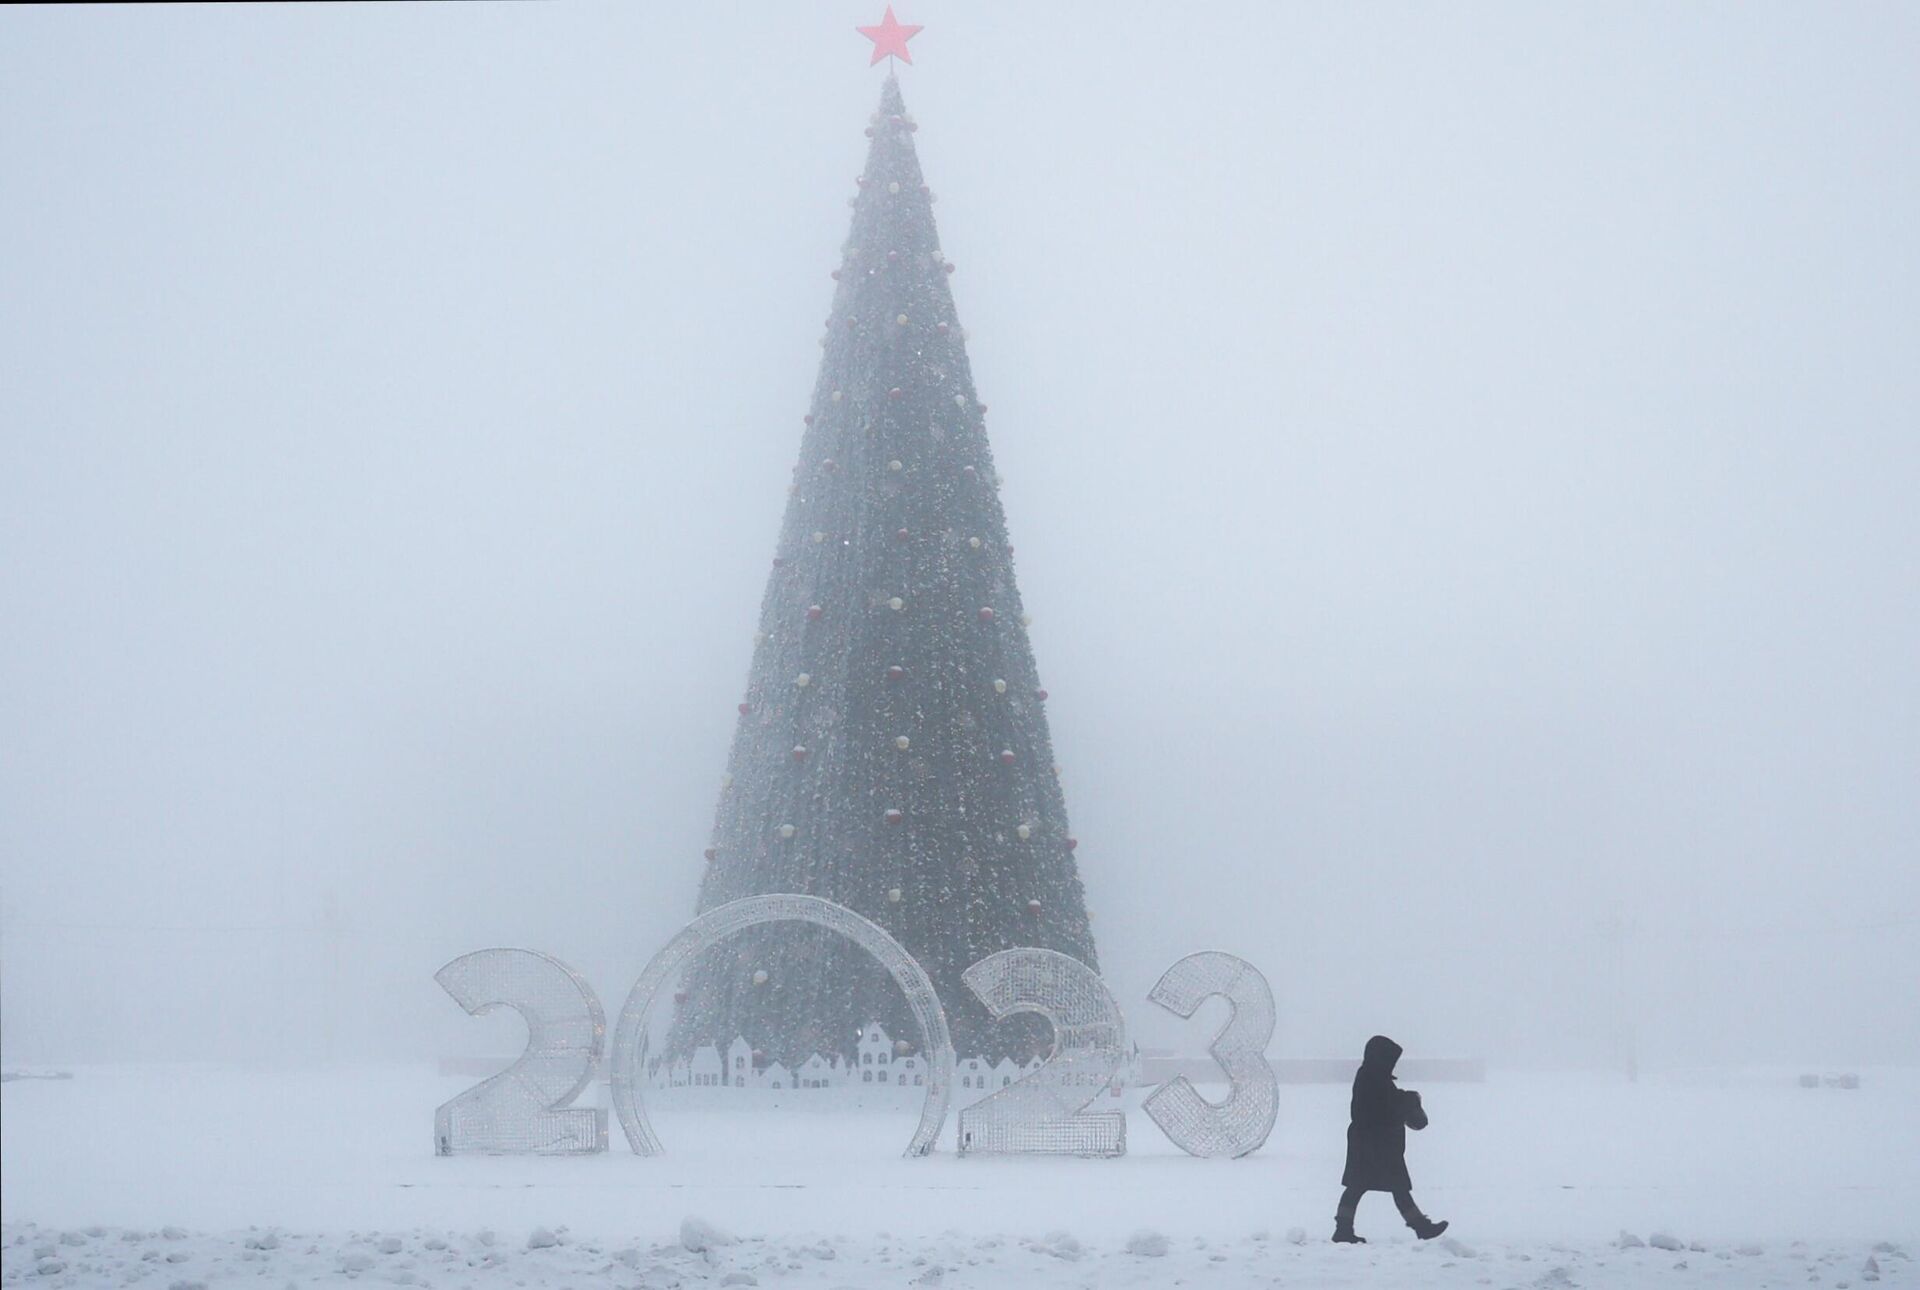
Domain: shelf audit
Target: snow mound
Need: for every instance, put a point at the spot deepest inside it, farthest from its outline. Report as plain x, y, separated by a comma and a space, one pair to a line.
1061, 1245
698, 1236
1666, 1241
1148, 1245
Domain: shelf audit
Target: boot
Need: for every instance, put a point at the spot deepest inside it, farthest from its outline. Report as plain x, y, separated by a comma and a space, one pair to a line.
1343, 1232
1426, 1229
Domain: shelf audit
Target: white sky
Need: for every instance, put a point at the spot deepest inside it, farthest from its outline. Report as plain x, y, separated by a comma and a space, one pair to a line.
1463, 461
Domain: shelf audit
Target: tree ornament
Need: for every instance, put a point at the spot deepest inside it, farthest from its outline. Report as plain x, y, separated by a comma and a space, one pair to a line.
999, 685
894, 186
970, 473
940, 328
835, 396
712, 854
726, 781
893, 895
807, 420
799, 752
1025, 831
901, 320
1026, 620
829, 465
896, 464
893, 257
1040, 695
814, 613
679, 997
901, 535
902, 742
896, 673
974, 542
986, 613
760, 977
1006, 757
803, 680
896, 603
745, 708
786, 830
819, 536
1073, 844
948, 266
895, 393
895, 816
889, 41
1034, 907
779, 562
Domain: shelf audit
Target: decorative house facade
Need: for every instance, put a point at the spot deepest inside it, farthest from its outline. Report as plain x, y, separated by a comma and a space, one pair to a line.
879, 1062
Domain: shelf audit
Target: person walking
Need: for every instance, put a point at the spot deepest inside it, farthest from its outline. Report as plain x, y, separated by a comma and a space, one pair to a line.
1377, 1144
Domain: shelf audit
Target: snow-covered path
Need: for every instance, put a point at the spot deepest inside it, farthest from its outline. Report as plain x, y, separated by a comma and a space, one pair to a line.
168, 1175
545, 1257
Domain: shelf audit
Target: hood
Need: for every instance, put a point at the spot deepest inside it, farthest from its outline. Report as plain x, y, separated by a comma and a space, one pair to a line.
1382, 1052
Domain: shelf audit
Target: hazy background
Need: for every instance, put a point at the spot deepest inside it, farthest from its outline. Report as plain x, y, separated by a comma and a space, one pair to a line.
1464, 461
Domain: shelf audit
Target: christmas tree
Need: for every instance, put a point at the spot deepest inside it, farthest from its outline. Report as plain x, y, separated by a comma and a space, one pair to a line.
892, 751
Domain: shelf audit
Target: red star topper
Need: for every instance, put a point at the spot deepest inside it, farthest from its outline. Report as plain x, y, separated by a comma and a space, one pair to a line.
889, 39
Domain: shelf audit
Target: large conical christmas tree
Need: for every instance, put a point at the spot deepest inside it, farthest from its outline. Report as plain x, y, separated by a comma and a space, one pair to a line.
892, 752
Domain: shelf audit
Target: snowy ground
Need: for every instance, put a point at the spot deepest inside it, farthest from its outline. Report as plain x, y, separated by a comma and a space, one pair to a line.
180, 1176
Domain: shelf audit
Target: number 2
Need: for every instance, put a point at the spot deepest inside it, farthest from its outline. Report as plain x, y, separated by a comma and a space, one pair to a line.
524, 1109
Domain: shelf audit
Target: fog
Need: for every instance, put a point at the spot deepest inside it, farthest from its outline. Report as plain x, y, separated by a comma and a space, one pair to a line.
1463, 462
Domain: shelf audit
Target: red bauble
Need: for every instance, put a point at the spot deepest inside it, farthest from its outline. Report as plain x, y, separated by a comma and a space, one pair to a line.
895, 817
807, 420
1040, 695
941, 328
1006, 757
1073, 844
982, 407
896, 673
779, 562
986, 613
1034, 907
970, 473
814, 612
948, 266
893, 257
679, 996
895, 392
835, 275
895, 119
902, 534
799, 752
745, 709
712, 854
829, 464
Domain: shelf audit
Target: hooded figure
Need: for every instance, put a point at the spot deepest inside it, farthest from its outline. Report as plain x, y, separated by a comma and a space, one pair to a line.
1377, 1143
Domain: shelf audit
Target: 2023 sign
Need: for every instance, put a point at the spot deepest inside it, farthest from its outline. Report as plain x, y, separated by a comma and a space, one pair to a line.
527, 1108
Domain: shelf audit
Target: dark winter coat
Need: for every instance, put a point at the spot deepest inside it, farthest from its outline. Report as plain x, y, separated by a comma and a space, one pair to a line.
1382, 1114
